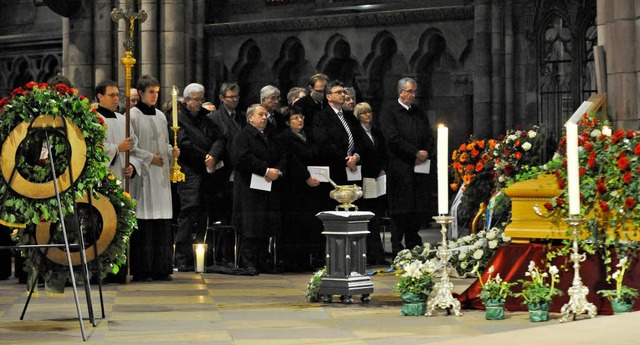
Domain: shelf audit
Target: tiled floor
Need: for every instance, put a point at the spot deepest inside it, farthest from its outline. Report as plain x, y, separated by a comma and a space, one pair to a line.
271, 309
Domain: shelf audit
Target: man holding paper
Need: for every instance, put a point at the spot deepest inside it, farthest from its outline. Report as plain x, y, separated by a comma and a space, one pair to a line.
260, 163
409, 140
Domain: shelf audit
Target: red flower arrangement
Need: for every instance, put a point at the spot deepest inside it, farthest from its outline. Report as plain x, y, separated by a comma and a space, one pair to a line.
609, 181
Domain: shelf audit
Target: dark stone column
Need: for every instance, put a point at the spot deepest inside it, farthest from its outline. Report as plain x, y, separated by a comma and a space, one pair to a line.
482, 74
77, 49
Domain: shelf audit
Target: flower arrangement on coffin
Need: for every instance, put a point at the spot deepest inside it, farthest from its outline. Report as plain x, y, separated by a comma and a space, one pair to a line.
494, 293
416, 282
623, 297
23, 106
539, 290
518, 148
313, 286
609, 183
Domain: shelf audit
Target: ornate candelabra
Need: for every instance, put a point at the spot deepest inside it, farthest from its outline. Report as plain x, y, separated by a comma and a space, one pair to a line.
176, 174
578, 303
443, 297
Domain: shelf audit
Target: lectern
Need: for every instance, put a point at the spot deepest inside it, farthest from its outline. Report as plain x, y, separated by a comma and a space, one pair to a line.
346, 256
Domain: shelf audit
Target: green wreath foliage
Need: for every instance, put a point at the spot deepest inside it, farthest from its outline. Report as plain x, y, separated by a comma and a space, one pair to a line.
24, 105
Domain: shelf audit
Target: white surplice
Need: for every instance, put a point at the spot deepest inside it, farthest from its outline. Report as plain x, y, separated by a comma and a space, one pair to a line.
115, 134
153, 190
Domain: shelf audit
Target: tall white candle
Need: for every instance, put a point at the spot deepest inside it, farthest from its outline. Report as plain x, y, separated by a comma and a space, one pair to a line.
200, 250
573, 173
174, 106
443, 168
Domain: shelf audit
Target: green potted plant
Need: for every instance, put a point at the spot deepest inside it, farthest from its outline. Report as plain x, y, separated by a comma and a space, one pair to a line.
494, 294
415, 284
538, 291
313, 286
622, 298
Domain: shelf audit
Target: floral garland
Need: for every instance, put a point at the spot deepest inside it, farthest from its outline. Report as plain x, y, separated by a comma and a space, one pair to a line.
23, 106
467, 251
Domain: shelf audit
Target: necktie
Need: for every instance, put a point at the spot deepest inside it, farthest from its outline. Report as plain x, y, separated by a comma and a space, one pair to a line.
346, 128
271, 119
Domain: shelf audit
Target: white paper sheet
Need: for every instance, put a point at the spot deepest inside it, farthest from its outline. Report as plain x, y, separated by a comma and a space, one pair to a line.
374, 187
318, 171
354, 175
382, 185
258, 182
423, 168
369, 188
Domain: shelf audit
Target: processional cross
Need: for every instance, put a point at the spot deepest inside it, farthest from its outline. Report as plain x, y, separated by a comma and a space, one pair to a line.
128, 61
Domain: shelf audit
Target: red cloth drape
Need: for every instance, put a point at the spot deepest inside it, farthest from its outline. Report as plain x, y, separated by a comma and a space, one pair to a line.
511, 261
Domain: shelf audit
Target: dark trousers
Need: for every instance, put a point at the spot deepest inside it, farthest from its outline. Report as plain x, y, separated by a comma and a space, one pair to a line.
407, 225
192, 221
152, 248
5, 254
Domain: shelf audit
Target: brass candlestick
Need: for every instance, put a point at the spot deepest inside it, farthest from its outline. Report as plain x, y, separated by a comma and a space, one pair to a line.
443, 297
578, 303
176, 174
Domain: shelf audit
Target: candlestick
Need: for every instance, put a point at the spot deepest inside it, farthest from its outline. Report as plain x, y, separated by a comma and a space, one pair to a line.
174, 106
606, 130
200, 250
443, 166
442, 296
573, 174
578, 292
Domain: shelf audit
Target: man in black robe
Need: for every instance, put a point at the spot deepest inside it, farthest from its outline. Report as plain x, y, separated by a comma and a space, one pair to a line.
256, 212
409, 141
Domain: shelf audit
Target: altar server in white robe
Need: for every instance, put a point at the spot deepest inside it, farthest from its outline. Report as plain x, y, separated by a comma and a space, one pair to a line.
116, 144
152, 243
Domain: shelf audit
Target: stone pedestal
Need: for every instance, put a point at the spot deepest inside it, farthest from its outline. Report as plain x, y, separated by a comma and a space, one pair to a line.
346, 257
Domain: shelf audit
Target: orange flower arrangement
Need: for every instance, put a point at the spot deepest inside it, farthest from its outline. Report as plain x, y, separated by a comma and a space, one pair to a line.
468, 160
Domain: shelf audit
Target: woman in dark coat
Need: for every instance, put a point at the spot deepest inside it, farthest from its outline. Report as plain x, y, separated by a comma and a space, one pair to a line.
256, 213
374, 161
409, 140
301, 230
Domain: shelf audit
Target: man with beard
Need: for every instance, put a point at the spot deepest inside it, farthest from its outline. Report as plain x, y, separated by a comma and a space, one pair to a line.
314, 101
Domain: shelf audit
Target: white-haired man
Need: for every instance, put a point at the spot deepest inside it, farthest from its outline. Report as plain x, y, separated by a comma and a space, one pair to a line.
196, 139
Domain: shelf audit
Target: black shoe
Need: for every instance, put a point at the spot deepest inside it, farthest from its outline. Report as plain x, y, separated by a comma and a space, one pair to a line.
142, 279
252, 271
186, 268
163, 277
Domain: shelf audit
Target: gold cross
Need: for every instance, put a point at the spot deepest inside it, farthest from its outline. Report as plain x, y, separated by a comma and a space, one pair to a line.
141, 16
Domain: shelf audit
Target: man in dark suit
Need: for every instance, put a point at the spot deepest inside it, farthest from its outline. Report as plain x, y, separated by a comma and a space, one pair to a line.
336, 137
228, 120
314, 101
270, 100
196, 139
409, 141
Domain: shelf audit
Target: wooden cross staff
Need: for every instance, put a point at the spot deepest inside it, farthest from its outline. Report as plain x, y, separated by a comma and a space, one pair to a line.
128, 61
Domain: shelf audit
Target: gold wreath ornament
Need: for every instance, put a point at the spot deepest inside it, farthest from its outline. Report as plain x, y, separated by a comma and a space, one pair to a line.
44, 190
